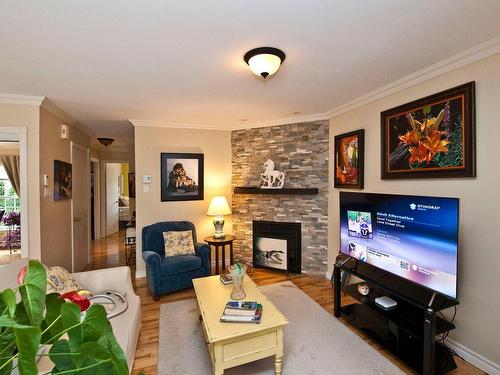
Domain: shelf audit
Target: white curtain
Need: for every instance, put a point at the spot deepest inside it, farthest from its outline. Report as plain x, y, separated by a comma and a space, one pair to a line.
11, 166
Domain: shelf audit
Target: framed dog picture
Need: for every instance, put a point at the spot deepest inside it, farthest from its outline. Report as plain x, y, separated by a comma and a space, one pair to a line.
181, 177
432, 137
349, 160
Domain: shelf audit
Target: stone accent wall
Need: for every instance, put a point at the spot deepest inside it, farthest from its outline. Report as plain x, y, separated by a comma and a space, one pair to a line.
301, 151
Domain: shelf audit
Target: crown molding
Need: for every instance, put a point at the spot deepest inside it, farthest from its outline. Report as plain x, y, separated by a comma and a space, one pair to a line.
479, 52
21, 99
282, 121
249, 125
49, 106
176, 125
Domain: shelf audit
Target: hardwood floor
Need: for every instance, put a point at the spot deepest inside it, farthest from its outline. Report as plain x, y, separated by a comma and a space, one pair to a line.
110, 252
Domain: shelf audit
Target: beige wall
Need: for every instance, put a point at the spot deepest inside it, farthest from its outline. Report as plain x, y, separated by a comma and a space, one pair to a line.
56, 220
15, 115
478, 322
149, 143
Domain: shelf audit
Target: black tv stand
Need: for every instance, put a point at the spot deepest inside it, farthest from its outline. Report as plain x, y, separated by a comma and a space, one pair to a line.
408, 331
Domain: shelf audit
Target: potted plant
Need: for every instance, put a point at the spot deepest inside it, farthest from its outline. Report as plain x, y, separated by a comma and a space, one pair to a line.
12, 239
80, 336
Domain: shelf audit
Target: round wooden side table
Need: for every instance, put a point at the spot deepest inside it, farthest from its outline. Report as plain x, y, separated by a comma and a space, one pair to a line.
220, 244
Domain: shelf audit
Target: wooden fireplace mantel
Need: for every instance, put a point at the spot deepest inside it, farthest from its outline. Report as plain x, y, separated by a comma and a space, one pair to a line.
287, 191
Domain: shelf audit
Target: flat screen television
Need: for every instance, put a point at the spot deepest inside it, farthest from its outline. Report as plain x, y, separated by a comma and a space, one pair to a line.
414, 237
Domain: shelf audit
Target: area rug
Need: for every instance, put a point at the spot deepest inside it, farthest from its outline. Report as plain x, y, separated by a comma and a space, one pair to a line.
315, 342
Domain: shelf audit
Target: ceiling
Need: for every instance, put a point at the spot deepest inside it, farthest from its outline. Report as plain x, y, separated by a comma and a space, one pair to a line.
104, 62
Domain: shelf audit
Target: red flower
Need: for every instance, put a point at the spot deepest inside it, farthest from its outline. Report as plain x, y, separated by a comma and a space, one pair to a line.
20, 275
419, 154
74, 297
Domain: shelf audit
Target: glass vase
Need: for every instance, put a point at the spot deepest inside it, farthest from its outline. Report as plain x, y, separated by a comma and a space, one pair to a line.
237, 273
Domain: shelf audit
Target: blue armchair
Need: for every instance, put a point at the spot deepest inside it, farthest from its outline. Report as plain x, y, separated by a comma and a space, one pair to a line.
168, 274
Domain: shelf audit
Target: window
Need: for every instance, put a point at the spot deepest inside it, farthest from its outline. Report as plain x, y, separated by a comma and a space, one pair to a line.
9, 201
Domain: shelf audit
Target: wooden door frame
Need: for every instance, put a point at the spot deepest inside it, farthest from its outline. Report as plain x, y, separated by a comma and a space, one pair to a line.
87, 151
19, 134
97, 197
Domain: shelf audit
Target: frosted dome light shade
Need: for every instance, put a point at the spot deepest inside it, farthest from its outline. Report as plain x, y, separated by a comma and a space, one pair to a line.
264, 61
218, 207
264, 65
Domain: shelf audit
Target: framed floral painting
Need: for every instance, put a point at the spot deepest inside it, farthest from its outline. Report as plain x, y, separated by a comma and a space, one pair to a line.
349, 160
432, 137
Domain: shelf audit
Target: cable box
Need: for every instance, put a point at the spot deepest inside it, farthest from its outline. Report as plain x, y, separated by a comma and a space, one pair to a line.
386, 303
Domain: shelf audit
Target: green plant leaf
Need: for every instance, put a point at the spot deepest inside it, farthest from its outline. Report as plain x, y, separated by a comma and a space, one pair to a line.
28, 342
7, 321
9, 298
60, 354
7, 340
71, 318
52, 324
95, 324
117, 356
33, 299
36, 275
21, 315
95, 351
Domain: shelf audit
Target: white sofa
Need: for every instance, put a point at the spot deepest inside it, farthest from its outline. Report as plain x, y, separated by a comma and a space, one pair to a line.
126, 326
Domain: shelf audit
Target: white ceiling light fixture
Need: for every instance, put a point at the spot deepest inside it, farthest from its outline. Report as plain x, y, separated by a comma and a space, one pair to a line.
264, 61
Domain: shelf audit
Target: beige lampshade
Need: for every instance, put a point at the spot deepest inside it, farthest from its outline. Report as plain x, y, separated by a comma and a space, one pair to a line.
219, 207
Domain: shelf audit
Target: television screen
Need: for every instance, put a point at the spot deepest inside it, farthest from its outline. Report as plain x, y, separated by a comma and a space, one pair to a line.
413, 237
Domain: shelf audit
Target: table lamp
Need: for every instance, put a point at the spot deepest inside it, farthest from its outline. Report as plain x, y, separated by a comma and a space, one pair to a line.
218, 208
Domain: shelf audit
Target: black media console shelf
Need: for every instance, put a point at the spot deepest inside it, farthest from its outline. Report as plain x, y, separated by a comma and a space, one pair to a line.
287, 191
410, 330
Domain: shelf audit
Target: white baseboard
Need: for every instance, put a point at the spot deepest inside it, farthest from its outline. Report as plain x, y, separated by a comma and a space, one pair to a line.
139, 274
474, 358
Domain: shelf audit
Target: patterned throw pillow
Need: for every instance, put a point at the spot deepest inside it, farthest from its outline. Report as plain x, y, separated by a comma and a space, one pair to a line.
178, 243
59, 280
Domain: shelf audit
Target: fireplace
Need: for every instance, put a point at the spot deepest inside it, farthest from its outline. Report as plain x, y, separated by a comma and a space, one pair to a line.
277, 246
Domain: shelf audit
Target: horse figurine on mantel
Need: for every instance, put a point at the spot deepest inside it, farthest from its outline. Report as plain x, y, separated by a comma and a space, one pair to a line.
271, 178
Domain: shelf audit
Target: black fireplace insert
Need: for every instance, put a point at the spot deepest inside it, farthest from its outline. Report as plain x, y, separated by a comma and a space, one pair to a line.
277, 246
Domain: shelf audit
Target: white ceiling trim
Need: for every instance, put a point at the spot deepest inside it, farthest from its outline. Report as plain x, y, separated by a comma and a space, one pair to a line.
21, 99
282, 121
479, 52
176, 125
48, 105
43, 102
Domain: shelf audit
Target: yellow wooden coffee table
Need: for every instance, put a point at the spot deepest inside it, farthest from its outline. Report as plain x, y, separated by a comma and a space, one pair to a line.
233, 344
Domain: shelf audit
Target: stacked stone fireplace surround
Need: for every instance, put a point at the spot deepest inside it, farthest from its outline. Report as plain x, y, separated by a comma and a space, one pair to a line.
301, 151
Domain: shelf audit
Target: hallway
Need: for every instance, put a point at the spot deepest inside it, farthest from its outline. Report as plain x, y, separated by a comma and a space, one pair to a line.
109, 252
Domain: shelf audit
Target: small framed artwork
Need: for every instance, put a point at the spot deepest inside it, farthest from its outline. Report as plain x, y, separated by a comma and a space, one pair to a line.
349, 160
432, 137
131, 185
181, 177
62, 180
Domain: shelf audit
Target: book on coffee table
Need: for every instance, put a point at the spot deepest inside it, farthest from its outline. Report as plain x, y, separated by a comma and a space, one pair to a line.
226, 278
242, 312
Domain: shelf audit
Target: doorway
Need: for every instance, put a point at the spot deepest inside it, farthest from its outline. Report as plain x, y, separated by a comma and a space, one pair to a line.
117, 197
19, 136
